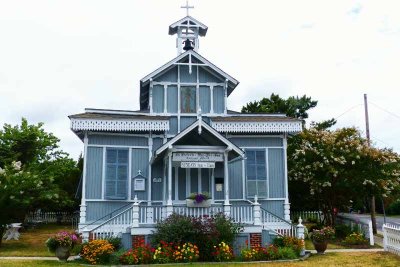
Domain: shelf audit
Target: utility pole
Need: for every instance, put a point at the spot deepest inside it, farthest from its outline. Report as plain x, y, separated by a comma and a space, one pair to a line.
373, 216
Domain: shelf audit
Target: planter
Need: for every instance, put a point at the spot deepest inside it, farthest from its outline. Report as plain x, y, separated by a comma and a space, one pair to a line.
321, 246
190, 203
62, 253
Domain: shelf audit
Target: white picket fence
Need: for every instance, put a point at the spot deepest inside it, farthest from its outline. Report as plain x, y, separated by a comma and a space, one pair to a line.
306, 215
50, 217
391, 238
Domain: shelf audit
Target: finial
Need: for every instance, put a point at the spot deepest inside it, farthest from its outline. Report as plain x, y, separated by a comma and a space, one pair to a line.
255, 199
139, 172
187, 7
300, 220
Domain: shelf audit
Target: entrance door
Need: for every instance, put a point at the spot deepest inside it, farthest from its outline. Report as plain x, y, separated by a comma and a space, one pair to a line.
187, 181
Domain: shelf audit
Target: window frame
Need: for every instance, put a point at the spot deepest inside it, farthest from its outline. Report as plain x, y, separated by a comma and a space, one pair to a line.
116, 181
257, 179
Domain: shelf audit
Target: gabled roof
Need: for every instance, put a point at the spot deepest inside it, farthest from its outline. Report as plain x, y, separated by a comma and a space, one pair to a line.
144, 82
173, 28
190, 128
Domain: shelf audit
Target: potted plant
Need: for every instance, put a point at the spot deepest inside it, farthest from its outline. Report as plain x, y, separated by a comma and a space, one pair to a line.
320, 238
201, 200
61, 244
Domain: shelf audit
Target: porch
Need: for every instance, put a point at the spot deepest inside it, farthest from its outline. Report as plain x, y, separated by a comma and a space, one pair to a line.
141, 219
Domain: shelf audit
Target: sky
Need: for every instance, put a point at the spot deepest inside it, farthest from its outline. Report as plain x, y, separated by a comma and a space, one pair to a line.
59, 57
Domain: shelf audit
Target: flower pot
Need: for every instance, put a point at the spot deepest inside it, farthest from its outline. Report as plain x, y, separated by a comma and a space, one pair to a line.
62, 253
190, 203
320, 246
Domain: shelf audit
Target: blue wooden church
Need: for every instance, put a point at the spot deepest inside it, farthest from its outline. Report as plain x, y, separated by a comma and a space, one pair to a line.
141, 166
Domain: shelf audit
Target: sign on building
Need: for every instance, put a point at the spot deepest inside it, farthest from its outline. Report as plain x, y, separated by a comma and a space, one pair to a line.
190, 164
197, 156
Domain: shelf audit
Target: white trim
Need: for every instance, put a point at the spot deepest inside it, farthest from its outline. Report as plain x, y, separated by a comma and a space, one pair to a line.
176, 197
285, 169
119, 125
267, 169
103, 175
165, 98
211, 99
151, 96
251, 127
212, 186
117, 146
118, 134
244, 179
149, 182
130, 151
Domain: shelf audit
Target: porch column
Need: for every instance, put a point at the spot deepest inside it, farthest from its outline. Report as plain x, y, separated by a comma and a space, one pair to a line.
286, 205
169, 201
227, 205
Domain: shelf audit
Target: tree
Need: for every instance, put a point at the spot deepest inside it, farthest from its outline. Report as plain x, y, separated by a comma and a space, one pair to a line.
294, 106
335, 165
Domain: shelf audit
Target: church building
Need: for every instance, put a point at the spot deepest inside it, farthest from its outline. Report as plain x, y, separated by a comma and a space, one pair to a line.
142, 166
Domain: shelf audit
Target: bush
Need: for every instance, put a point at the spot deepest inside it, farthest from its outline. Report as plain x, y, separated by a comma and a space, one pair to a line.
287, 241
394, 208
116, 242
222, 252
164, 253
342, 230
115, 258
205, 232
186, 253
97, 251
259, 253
141, 254
286, 253
355, 239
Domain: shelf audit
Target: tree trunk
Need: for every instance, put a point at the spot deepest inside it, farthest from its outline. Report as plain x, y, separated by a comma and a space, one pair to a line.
373, 217
2, 230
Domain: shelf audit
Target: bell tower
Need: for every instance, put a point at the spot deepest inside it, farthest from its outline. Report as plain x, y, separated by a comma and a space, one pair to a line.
188, 31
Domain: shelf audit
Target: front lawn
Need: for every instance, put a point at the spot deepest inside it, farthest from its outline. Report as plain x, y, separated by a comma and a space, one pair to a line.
354, 259
32, 241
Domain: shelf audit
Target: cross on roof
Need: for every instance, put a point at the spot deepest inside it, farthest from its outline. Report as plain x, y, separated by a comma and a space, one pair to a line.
187, 7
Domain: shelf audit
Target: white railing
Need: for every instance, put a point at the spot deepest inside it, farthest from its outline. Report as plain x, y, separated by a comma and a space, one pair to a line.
197, 211
391, 238
242, 214
151, 214
112, 227
277, 224
49, 217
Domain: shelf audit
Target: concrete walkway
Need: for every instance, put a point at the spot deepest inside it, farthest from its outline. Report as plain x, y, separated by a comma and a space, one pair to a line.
37, 258
350, 250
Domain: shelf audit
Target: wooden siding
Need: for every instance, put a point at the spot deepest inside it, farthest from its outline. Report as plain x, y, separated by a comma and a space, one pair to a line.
117, 140
157, 188
158, 99
219, 173
97, 209
140, 161
205, 99
172, 99
207, 77
186, 121
274, 206
185, 76
157, 143
219, 101
235, 180
276, 173
169, 76
94, 170
257, 141
173, 125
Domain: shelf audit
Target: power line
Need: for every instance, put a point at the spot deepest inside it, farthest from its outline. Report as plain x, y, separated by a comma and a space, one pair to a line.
350, 109
387, 111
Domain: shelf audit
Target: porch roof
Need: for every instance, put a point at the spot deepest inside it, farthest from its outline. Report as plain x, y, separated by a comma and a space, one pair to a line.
205, 137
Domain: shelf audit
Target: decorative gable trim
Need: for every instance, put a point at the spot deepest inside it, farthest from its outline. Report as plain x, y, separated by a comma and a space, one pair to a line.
257, 127
119, 125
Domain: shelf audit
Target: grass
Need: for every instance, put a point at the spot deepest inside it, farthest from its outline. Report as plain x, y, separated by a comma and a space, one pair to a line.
356, 259
32, 242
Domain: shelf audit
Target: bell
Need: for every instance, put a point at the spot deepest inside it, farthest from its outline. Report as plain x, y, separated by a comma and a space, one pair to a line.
188, 45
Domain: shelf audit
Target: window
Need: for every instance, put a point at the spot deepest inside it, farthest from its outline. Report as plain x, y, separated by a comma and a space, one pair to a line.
116, 173
256, 173
188, 99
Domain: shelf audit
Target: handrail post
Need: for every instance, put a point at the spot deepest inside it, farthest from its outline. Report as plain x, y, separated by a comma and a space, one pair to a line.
135, 213
300, 235
256, 211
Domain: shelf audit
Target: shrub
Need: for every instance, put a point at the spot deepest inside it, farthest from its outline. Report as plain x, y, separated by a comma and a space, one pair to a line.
259, 253
222, 252
115, 258
292, 242
186, 253
140, 254
97, 251
394, 208
116, 242
286, 253
176, 228
355, 239
342, 230
164, 253
62, 239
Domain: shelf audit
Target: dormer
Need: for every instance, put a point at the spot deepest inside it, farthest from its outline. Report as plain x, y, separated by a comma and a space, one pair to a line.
186, 85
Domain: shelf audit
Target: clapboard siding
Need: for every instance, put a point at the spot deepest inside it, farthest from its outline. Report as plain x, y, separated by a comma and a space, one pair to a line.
274, 206
117, 140
206, 77
186, 121
169, 76
219, 101
140, 162
156, 187
94, 170
157, 143
276, 173
257, 141
96, 210
158, 98
235, 180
